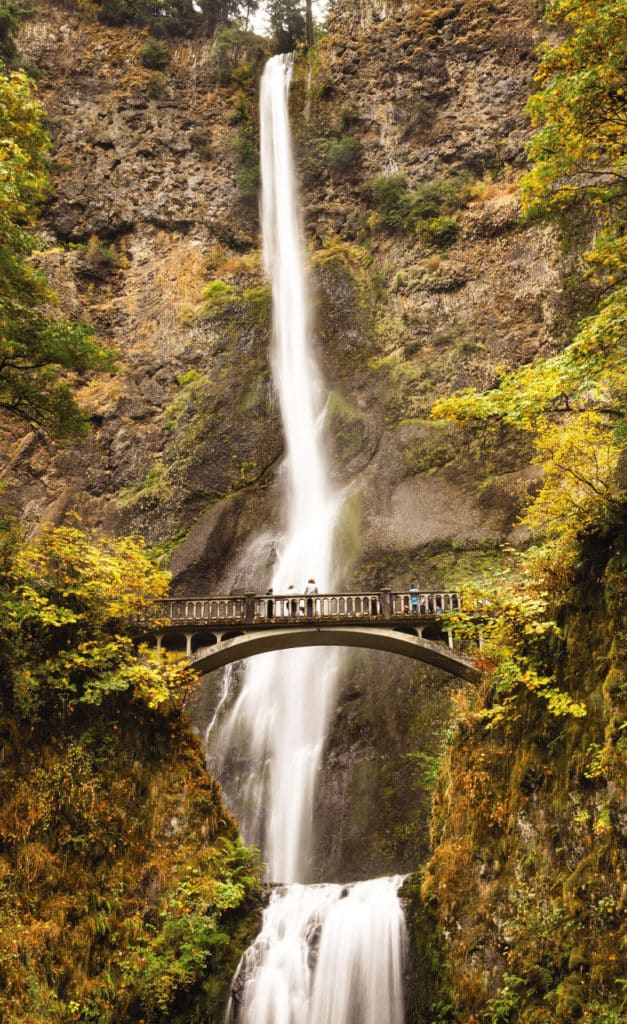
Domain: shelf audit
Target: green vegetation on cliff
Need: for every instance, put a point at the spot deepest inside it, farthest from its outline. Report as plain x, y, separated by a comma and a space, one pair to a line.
571, 404
526, 879
125, 893
38, 349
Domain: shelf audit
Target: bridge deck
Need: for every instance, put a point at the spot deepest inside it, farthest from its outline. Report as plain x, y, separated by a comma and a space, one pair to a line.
378, 608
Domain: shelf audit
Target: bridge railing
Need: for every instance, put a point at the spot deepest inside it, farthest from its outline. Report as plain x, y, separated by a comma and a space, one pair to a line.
383, 605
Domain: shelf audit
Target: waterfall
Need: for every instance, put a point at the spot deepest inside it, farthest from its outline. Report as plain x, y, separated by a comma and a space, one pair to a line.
281, 715
327, 954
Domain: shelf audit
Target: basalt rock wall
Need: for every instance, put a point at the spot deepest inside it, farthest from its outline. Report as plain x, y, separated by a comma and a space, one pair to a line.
149, 208
420, 288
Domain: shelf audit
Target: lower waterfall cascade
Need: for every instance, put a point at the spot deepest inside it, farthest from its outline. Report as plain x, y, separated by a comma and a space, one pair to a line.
327, 953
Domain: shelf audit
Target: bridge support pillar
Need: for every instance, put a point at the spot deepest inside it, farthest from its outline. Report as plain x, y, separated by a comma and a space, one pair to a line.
159, 640
450, 639
188, 645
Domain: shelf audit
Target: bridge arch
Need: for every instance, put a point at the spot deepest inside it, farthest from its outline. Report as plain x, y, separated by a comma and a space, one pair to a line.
408, 645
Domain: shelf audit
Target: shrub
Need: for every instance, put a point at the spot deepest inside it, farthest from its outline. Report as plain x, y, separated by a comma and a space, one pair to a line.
247, 174
11, 12
201, 141
342, 154
391, 199
426, 208
156, 84
99, 258
440, 231
155, 54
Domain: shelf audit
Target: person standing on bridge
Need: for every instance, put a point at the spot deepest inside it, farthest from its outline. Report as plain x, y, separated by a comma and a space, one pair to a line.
414, 593
310, 589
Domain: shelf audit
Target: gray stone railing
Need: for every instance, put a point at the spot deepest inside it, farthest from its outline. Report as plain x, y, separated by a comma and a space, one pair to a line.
257, 609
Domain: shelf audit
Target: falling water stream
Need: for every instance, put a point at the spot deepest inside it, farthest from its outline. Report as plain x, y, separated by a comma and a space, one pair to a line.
327, 954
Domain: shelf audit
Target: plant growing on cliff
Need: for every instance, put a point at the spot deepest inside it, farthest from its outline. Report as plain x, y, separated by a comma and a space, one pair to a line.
237, 56
11, 13
571, 403
427, 208
155, 54
37, 348
578, 149
169, 17
342, 154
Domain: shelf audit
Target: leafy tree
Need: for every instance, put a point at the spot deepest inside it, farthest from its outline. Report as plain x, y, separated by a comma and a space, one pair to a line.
580, 109
170, 17
288, 23
36, 346
570, 405
11, 11
67, 602
249, 7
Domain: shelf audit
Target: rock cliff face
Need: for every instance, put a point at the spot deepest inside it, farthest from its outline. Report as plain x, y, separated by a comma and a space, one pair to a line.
149, 208
410, 136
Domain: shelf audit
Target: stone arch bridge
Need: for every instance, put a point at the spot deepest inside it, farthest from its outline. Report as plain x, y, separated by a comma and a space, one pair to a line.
215, 631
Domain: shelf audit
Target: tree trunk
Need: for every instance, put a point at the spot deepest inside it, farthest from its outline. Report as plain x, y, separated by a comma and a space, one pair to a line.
309, 23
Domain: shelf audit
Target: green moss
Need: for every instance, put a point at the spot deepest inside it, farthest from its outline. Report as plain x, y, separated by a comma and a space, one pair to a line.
154, 488
217, 294
348, 531
430, 998
260, 301
526, 831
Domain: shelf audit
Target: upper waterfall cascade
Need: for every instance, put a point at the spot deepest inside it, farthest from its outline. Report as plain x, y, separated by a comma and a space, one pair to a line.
326, 953
281, 714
